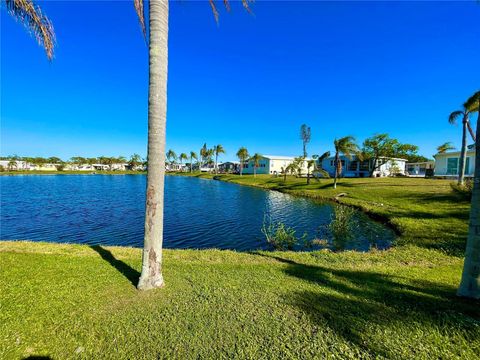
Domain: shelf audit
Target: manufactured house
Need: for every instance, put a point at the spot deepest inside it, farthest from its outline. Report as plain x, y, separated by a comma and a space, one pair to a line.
271, 164
448, 164
19, 165
420, 169
361, 168
229, 167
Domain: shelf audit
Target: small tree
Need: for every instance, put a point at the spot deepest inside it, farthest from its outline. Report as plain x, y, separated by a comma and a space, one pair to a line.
382, 146
182, 157
348, 147
193, 155
255, 159
442, 149
217, 149
242, 155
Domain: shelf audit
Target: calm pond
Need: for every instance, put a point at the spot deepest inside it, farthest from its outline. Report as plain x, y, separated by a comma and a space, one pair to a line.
109, 210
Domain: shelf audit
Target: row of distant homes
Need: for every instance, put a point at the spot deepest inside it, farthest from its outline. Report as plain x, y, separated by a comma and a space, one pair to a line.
26, 166
445, 165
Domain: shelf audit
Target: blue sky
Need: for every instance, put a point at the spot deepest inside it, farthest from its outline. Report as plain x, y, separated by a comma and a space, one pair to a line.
344, 68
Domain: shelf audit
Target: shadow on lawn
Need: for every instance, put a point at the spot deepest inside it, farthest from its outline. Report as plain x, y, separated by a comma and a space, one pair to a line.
364, 301
130, 273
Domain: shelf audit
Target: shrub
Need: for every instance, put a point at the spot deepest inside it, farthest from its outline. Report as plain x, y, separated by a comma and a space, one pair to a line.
463, 191
282, 237
342, 229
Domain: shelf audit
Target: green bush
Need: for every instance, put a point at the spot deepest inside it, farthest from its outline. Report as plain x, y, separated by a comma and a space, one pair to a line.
282, 237
464, 191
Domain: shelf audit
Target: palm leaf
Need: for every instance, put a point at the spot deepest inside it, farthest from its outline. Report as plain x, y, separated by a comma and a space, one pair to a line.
473, 102
452, 118
38, 24
138, 4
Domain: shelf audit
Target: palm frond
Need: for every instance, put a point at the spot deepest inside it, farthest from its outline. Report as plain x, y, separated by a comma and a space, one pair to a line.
35, 21
226, 3
445, 147
138, 4
473, 102
452, 118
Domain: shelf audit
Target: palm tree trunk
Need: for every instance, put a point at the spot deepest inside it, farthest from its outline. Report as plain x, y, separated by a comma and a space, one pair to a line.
216, 162
151, 276
463, 154
191, 159
336, 171
241, 167
254, 171
470, 284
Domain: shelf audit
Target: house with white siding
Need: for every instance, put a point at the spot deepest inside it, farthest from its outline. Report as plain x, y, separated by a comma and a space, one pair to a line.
361, 168
420, 169
272, 164
448, 164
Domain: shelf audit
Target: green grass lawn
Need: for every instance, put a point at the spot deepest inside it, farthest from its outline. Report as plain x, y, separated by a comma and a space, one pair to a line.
73, 301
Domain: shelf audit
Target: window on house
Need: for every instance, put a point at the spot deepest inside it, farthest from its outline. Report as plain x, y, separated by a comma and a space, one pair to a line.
467, 166
352, 166
364, 165
452, 166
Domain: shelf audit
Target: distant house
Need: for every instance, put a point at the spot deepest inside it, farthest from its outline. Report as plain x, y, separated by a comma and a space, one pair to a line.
175, 167
271, 164
44, 167
19, 165
229, 167
447, 164
419, 169
356, 168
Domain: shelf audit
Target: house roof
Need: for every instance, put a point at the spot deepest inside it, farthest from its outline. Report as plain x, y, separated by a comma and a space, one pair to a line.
279, 157
450, 153
355, 158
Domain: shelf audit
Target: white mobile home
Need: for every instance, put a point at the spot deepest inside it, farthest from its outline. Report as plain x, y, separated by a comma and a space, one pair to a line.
356, 168
419, 169
271, 164
447, 164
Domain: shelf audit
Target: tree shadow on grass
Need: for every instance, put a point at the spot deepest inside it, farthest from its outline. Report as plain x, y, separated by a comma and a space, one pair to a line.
130, 273
354, 303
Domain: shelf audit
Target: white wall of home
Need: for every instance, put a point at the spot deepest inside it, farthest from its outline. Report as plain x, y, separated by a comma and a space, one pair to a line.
355, 168
272, 165
447, 164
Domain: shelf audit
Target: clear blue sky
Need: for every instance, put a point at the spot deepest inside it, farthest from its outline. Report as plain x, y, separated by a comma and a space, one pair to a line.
344, 68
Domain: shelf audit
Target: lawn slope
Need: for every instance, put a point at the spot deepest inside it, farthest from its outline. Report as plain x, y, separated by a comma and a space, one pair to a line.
73, 301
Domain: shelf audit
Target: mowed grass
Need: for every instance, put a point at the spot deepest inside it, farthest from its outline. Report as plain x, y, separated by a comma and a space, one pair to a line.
73, 301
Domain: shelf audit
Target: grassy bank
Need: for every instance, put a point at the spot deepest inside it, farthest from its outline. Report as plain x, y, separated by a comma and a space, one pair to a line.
424, 211
72, 301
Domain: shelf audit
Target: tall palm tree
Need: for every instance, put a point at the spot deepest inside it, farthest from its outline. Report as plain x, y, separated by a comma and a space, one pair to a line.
193, 155
217, 149
182, 157
348, 147
256, 163
445, 147
171, 156
242, 155
305, 135
41, 27
470, 284
452, 119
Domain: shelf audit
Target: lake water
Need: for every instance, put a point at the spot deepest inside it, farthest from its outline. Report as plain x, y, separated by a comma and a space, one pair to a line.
199, 213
